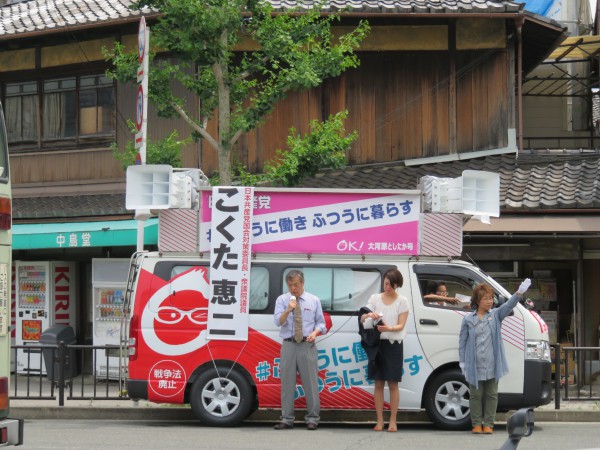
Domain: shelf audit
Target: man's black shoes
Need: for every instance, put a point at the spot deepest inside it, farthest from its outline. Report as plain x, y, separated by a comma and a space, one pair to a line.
311, 426
284, 426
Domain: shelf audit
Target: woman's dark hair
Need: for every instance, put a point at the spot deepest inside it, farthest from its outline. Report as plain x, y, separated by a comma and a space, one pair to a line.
479, 291
434, 285
395, 278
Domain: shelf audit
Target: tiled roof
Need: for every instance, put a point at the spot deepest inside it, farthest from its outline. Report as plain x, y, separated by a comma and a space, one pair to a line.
43, 16
69, 207
527, 183
406, 6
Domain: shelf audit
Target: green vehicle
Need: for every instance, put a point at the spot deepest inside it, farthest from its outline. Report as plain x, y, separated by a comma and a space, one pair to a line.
11, 430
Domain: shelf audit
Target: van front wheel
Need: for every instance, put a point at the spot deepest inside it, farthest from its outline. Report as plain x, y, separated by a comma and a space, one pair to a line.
447, 401
222, 398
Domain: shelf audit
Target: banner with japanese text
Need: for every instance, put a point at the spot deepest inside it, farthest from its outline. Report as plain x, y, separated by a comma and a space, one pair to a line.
327, 221
230, 250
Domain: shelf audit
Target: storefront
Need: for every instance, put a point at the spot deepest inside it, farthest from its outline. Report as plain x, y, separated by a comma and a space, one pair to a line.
43, 253
562, 257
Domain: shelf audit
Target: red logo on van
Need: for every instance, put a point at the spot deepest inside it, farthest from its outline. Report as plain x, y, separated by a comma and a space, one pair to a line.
174, 321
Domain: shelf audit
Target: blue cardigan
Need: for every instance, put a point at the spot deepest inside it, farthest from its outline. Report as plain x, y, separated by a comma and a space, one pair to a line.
467, 344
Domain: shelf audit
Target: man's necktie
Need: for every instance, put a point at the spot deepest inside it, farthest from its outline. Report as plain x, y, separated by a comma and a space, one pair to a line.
298, 336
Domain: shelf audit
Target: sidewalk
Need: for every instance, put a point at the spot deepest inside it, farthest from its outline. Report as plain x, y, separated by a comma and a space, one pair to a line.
570, 411
117, 409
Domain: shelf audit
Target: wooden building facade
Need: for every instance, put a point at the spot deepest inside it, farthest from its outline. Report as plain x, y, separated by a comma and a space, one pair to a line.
431, 85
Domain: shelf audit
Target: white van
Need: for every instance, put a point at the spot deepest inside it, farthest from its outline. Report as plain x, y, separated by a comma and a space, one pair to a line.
199, 313
225, 381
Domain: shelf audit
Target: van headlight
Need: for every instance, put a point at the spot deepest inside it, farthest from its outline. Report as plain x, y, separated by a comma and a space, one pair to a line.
537, 350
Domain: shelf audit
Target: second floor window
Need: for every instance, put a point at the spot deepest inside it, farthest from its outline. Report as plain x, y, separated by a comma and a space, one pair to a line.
96, 105
21, 110
60, 109
68, 108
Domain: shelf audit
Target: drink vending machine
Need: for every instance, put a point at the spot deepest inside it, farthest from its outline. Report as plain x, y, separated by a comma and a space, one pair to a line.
45, 296
109, 280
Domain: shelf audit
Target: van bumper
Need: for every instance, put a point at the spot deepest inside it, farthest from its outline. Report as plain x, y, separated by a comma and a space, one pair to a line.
11, 432
537, 387
137, 389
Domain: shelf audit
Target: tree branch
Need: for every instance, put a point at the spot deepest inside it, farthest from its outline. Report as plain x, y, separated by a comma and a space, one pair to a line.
236, 136
201, 130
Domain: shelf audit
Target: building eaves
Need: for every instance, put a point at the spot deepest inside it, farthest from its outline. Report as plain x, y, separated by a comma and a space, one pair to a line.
39, 16
527, 184
404, 6
535, 182
69, 208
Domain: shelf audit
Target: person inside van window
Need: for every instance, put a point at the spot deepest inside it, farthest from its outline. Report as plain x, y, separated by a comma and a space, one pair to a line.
390, 310
481, 353
437, 293
300, 318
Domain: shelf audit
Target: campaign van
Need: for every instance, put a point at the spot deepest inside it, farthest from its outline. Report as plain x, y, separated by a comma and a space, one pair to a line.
199, 312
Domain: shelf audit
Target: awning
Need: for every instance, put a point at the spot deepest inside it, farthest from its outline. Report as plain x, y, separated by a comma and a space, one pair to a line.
82, 234
537, 224
576, 48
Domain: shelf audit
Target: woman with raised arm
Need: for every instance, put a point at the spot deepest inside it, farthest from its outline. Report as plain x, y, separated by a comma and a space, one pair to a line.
481, 353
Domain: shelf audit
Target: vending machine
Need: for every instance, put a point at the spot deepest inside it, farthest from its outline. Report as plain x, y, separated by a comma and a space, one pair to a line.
109, 280
45, 296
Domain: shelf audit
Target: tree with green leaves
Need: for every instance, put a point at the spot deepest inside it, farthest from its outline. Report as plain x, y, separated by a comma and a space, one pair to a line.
294, 51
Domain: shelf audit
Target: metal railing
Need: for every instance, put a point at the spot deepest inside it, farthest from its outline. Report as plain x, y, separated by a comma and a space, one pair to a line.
96, 372
577, 374
71, 372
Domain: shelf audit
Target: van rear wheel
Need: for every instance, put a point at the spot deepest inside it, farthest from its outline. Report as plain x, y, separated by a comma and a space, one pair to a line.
447, 401
222, 398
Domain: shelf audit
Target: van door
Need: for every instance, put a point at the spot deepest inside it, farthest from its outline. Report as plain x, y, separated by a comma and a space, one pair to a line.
438, 325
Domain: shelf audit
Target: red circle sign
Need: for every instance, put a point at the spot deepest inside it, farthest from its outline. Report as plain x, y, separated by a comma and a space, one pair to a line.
142, 40
139, 117
167, 378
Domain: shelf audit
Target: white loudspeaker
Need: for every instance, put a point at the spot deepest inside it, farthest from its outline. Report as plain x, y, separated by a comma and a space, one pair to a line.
148, 187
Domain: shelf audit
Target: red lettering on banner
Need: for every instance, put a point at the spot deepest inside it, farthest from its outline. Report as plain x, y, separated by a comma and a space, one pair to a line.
62, 319
61, 273
62, 294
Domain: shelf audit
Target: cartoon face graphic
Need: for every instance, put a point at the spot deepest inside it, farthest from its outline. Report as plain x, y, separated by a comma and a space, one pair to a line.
175, 317
182, 313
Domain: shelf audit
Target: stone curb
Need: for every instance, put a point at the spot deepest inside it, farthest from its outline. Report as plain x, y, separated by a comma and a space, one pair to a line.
183, 413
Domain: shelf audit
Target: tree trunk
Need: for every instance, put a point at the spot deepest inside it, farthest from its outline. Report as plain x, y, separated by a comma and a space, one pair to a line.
224, 165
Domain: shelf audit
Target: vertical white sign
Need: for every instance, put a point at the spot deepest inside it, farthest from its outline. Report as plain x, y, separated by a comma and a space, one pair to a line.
142, 94
230, 243
141, 120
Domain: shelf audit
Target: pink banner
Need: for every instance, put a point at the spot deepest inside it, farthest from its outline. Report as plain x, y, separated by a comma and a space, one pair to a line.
343, 222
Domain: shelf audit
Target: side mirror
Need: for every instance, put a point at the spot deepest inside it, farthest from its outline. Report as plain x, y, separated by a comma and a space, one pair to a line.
520, 424
529, 304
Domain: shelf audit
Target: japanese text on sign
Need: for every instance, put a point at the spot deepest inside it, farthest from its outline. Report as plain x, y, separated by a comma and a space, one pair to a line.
167, 378
316, 222
74, 240
230, 263
345, 367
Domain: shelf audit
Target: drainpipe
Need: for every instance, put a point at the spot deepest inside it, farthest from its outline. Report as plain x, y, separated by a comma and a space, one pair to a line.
519, 25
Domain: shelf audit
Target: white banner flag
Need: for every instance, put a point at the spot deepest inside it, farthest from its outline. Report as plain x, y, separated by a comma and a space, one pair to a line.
230, 251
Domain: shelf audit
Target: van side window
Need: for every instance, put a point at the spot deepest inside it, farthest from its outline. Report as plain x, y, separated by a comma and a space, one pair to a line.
259, 285
178, 270
259, 288
436, 288
341, 289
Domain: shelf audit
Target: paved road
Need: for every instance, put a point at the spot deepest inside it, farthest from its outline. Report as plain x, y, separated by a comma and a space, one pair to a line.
148, 435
